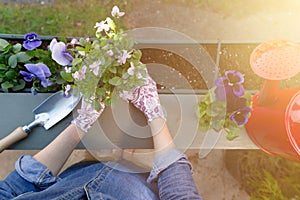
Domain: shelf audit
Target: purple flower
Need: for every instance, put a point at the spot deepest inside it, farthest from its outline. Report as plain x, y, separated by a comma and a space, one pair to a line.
232, 81
40, 71
31, 41
60, 53
240, 117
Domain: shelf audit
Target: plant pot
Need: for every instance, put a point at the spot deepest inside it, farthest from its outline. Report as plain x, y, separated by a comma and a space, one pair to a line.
270, 129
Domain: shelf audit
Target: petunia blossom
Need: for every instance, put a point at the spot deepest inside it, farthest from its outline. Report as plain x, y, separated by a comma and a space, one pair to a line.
115, 12
240, 117
130, 70
40, 71
123, 57
68, 69
110, 53
125, 95
61, 55
79, 75
67, 91
31, 41
95, 66
101, 26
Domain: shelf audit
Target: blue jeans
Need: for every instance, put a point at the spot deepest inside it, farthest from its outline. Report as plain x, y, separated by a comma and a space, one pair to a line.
170, 178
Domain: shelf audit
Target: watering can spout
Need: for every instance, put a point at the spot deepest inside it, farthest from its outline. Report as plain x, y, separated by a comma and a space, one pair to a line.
268, 93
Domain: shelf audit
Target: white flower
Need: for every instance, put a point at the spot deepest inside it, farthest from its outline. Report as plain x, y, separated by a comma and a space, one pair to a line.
95, 66
115, 12
125, 95
79, 75
67, 90
68, 69
74, 41
110, 52
101, 26
122, 58
130, 70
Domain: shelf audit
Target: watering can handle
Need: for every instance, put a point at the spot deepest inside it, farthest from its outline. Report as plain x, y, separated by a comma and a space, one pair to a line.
15, 136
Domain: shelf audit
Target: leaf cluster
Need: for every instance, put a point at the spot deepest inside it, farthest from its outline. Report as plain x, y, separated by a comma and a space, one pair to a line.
212, 114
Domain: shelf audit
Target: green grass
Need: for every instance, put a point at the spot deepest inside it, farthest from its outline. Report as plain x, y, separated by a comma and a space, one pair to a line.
67, 18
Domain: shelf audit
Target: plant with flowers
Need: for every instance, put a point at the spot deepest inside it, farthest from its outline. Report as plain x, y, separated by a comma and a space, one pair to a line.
226, 106
103, 68
26, 66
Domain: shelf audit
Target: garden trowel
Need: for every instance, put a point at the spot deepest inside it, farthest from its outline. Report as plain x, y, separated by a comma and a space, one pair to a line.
47, 114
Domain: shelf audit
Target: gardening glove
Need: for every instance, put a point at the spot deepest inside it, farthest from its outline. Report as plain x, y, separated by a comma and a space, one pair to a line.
87, 115
146, 99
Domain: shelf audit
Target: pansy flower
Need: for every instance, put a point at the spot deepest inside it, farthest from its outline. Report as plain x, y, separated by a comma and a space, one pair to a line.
60, 53
233, 80
31, 41
40, 71
240, 117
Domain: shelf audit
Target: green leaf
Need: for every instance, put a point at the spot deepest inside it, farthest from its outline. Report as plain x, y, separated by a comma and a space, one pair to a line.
11, 74
111, 24
217, 108
137, 54
67, 76
6, 85
100, 92
112, 69
17, 48
3, 44
20, 86
3, 67
76, 61
217, 124
204, 123
231, 134
23, 57
12, 61
115, 81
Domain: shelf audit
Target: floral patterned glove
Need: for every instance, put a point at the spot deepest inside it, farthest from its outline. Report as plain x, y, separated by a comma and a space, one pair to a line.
146, 99
87, 116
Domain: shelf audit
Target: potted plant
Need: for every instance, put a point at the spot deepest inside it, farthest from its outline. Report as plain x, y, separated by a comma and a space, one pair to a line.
226, 106
100, 69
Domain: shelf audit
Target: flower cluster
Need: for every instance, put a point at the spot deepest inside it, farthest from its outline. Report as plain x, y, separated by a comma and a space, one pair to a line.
103, 67
26, 66
226, 106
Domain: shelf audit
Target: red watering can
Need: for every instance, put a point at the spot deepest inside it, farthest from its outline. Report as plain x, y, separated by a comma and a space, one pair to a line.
274, 125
